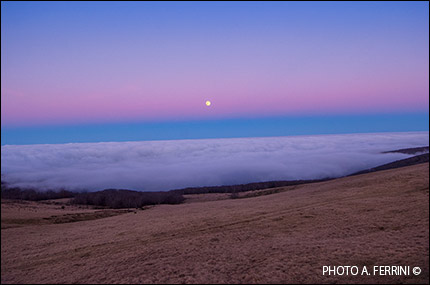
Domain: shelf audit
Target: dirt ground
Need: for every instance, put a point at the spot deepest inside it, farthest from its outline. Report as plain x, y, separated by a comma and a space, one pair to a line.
373, 219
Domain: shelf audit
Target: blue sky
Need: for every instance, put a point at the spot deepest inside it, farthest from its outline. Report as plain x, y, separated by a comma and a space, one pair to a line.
120, 71
227, 128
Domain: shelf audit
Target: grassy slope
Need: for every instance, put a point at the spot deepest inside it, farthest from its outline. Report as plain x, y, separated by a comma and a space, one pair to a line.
379, 218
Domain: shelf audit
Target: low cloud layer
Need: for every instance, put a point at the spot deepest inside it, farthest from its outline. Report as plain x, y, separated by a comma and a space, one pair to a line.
165, 165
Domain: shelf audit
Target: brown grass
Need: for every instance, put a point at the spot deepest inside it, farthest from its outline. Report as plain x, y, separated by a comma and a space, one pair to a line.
379, 218
17, 213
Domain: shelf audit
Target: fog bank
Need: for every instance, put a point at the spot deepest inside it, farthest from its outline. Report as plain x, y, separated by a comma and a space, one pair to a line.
165, 165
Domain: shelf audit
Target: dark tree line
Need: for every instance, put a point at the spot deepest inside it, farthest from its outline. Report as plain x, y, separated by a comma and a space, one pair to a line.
243, 187
110, 198
33, 194
116, 199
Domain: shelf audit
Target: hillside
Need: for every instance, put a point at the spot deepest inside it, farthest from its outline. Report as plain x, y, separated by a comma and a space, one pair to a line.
379, 218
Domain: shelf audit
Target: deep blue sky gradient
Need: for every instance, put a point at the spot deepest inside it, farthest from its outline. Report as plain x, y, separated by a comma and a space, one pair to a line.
228, 128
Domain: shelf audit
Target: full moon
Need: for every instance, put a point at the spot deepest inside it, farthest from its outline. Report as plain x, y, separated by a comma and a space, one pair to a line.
208, 103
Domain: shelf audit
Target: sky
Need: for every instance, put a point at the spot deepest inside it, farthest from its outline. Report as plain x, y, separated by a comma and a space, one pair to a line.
122, 71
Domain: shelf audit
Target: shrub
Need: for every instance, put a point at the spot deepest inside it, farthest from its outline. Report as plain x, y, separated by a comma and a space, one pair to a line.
234, 195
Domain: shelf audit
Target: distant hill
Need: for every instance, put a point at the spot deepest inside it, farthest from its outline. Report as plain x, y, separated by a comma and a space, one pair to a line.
413, 150
422, 158
244, 187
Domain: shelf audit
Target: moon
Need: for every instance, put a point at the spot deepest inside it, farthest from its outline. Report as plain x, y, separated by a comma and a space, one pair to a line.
208, 103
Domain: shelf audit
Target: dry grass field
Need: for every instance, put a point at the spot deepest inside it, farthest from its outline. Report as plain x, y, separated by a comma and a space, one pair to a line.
281, 236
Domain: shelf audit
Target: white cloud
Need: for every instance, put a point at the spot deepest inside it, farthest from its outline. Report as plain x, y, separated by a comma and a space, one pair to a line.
164, 165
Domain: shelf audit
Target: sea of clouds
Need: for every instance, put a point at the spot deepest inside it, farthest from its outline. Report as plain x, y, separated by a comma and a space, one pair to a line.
165, 165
